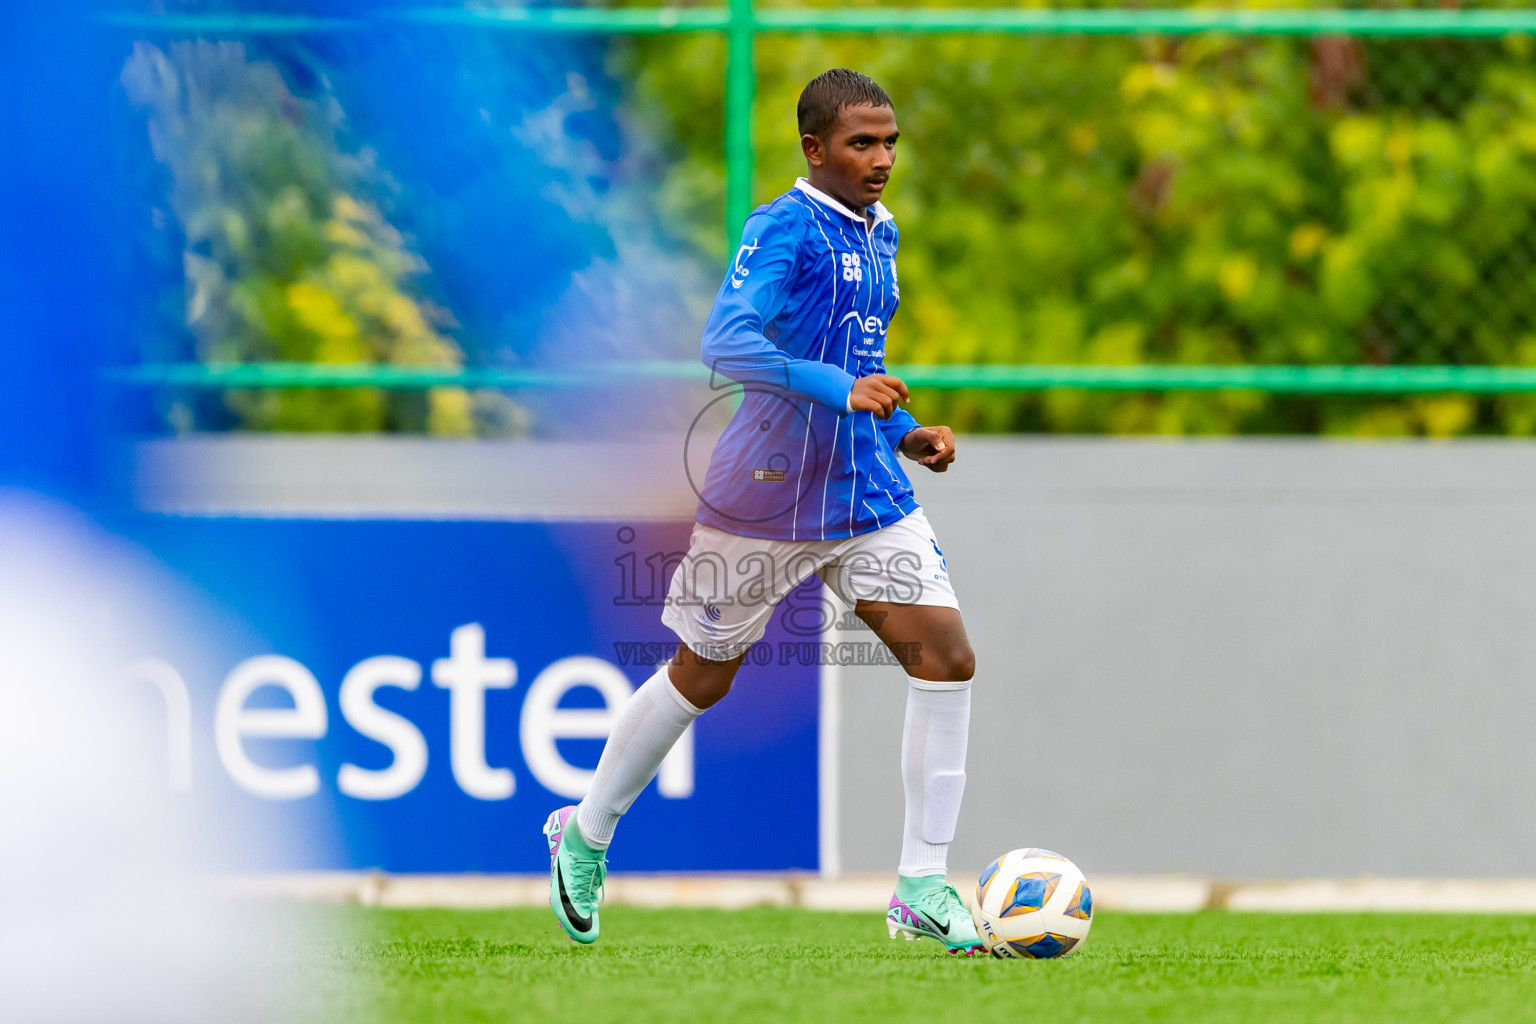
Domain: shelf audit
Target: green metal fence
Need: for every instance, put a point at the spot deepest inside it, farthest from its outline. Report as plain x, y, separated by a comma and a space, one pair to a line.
1288, 380
741, 23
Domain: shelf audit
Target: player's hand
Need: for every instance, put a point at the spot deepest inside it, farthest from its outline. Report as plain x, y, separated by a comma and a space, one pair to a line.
933, 447
878, 393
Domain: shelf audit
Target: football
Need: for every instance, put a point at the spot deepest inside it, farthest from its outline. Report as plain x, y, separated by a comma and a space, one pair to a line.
1032, 904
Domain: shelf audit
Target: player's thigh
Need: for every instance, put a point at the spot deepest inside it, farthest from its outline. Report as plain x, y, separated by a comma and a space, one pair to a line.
897, 579
928, 640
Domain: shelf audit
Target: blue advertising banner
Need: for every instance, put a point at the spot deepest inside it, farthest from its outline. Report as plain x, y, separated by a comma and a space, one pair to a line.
417, 696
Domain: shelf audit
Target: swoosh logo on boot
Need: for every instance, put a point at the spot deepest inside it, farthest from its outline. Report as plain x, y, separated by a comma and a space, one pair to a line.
943, 928
578, 922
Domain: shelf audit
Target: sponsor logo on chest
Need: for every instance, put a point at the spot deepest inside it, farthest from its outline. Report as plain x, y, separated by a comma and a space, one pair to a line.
870, 326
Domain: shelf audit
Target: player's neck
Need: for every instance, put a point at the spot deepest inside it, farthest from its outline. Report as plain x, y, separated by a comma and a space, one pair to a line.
817, 182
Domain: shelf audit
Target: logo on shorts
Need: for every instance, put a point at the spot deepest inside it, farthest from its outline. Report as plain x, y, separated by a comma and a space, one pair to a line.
942, 563
769, 476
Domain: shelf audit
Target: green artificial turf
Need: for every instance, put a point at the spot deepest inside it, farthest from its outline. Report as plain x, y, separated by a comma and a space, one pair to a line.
356, 964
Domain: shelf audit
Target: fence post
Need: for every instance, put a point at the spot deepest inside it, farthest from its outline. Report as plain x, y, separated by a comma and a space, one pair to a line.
740, 85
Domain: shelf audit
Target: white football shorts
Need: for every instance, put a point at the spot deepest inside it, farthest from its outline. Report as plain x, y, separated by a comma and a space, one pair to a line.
726, 589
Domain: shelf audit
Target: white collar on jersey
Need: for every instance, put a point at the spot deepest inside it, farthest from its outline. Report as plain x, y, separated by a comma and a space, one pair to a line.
881, 213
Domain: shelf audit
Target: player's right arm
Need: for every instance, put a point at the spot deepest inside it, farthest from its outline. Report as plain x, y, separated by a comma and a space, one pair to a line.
881, 394
754, 293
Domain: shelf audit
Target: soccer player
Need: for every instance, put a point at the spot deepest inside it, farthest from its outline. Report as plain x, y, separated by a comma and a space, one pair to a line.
805, 479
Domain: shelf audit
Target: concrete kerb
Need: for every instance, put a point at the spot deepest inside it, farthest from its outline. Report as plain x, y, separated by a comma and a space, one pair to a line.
871, 892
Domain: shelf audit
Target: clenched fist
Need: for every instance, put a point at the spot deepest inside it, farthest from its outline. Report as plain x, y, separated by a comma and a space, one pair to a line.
933, 447
878, 393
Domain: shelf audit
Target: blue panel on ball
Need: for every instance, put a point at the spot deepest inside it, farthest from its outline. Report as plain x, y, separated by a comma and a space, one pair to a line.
1030, 893
1082, 904
988, 875
1044, 947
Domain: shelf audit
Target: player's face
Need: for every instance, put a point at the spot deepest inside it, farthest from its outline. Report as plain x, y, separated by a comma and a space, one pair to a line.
854, 161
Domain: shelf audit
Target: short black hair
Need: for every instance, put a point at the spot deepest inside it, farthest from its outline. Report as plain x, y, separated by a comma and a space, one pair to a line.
829, 93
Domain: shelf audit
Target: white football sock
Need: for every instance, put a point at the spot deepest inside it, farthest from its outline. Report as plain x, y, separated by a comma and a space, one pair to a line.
932, 772
653, 720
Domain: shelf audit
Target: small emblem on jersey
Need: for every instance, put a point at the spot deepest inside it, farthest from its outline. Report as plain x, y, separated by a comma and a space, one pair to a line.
768, 476
738, 272
853, 270
713, 612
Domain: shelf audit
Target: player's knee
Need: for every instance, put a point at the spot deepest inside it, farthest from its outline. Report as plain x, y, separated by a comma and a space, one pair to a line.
709, 693
702, 683
949, 664
961, 665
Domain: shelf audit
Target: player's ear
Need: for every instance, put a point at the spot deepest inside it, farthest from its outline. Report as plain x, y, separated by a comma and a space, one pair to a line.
813, 149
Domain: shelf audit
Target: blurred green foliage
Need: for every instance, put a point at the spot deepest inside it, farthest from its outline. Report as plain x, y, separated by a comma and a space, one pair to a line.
285, 256
1208, 199
1099, 200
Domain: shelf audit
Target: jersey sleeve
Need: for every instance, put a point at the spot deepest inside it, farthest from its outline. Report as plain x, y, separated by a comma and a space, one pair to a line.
754, 293
897, 427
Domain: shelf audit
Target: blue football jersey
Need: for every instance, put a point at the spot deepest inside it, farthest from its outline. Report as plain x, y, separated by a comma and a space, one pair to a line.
803, 312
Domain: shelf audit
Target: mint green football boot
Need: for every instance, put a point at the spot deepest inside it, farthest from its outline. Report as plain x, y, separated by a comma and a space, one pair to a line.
929, 908
576, 873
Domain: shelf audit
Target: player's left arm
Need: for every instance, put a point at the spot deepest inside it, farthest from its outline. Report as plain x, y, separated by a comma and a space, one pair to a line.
933, 447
